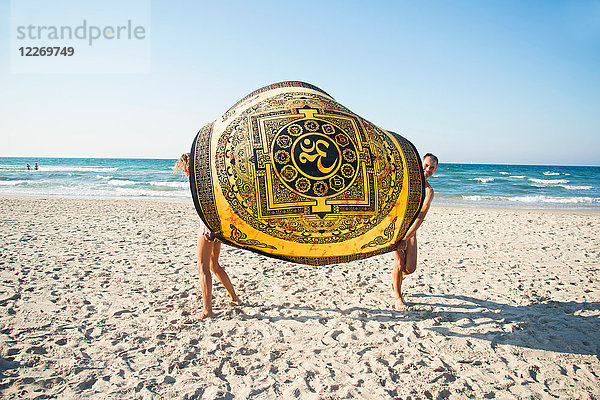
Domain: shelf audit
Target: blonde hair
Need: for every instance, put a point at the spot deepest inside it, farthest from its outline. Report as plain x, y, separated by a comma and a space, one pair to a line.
183, 164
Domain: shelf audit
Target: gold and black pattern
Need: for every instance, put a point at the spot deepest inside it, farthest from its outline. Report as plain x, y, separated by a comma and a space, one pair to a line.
388, 234
416, 193
316, 160
316, 261
201, 180
337, 259
286, 84
301, 165
295, 175
242, 239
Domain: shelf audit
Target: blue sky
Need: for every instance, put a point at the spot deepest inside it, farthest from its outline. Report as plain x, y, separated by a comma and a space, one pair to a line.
472, 81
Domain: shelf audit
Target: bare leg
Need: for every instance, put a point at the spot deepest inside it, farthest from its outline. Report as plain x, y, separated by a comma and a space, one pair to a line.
411, 256
399, 266
405, 262
220, 273
205, 249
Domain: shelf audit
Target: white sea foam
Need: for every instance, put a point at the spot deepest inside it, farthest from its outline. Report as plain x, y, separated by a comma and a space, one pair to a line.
12, 183
550, 173
573, 187
120, 182
28, 184
150, 193
476, 198
551, 199
482, 180
549, 181
103, 177
83, 191
517, 176
537, 199
66, 168
171, 184
504, 173
12, 167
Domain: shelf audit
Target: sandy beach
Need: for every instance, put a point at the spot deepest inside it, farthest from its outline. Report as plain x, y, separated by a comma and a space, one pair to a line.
100, 299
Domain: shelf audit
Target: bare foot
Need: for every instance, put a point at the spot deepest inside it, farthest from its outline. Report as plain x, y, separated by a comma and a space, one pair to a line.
399, 305
236, 301
205, 314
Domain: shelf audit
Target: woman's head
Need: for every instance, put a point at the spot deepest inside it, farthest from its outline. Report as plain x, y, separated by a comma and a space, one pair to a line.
183, 164
430, 163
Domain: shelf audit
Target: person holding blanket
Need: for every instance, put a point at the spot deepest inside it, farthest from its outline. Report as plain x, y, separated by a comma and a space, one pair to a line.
405, 255
208, 256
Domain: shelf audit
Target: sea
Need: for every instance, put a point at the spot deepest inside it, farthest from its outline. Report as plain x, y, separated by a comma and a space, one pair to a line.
494, 185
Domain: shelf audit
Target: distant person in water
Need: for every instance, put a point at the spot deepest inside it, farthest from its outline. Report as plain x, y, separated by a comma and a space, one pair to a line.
208, 256
36, 167
405, 255
28, 167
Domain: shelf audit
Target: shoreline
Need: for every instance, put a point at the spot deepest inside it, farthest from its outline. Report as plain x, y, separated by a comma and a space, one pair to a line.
525, 207
100, 298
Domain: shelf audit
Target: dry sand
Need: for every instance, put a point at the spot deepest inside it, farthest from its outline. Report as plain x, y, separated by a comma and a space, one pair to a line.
100, 299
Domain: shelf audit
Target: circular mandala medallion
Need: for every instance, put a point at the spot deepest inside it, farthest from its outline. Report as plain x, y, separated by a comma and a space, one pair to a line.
318, 161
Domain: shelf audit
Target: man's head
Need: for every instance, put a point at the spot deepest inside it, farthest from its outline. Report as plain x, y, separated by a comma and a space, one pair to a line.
430, 163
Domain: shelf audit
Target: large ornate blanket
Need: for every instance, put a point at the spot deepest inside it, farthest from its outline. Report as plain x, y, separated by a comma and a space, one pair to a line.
290, 173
